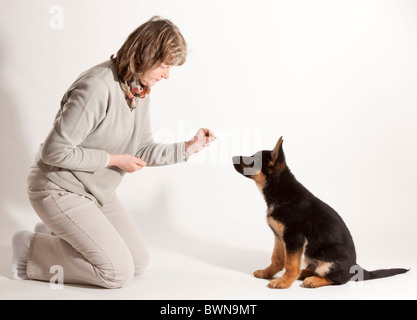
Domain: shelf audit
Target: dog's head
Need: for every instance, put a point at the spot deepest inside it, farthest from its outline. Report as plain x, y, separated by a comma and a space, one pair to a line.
262, 165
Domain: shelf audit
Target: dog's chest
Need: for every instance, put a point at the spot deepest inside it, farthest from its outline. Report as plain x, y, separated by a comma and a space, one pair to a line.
277, 227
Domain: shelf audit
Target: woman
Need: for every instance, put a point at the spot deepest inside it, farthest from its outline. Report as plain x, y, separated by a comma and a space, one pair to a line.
101, 131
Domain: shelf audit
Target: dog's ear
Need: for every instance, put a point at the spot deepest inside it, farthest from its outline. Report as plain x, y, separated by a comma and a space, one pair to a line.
278, 153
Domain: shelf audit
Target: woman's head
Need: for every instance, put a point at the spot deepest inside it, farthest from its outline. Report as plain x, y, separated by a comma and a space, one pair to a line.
150, 51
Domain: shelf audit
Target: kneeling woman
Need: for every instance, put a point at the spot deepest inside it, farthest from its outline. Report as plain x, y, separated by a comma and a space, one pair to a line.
101, 131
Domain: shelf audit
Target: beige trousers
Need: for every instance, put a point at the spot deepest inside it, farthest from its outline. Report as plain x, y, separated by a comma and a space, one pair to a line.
96, 246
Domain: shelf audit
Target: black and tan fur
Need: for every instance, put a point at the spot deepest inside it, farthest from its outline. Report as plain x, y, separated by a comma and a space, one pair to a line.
303, 226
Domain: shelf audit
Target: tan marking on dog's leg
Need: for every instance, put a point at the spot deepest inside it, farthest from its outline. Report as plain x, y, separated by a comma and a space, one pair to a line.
292, 271
317, 282
276, 226
277, 261
278, 256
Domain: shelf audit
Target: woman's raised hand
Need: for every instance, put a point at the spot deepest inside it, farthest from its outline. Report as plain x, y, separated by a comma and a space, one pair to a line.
202, 139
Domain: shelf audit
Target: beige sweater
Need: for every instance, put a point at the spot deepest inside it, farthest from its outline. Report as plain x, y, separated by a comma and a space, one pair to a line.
93, 121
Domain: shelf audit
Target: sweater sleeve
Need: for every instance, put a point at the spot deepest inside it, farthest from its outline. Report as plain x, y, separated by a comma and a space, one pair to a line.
81, 112
159, 154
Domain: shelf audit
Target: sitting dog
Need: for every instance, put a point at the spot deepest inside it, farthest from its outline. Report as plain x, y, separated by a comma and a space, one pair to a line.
303, 225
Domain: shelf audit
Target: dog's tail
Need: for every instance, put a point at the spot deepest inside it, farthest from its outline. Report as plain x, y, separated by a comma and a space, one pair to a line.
363, 275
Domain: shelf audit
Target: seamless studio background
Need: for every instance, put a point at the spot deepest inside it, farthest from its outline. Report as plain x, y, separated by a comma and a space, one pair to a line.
336, 78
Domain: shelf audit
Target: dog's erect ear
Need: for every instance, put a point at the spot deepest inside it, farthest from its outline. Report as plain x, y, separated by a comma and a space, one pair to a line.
278, 154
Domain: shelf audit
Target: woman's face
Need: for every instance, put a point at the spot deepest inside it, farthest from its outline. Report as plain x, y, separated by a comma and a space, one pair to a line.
153, 76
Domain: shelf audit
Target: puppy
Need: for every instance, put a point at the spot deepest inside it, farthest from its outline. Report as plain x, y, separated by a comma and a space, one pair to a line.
303, 225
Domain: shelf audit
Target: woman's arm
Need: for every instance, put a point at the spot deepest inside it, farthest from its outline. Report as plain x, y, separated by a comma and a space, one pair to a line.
157, 154
83, 111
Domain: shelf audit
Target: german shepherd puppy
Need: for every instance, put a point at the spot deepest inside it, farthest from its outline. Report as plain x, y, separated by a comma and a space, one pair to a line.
303, 225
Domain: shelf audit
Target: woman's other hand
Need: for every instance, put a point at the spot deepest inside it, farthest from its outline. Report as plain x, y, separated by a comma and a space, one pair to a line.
202, 139
126, 162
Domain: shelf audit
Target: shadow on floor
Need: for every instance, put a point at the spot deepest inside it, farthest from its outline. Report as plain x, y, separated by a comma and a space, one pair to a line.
157, 230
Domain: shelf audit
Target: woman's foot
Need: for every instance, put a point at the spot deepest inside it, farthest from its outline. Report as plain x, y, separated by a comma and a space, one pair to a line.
20, 244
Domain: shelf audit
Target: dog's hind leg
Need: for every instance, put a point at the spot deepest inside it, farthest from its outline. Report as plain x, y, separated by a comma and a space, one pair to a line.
277, 261
316, 282
306, 273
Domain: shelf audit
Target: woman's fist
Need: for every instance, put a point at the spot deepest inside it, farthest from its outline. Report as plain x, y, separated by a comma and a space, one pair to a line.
202, 139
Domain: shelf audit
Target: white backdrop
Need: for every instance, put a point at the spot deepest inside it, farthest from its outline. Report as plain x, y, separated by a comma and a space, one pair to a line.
336, 78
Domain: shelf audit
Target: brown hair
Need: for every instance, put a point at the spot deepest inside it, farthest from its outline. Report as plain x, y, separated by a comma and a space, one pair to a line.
155, 42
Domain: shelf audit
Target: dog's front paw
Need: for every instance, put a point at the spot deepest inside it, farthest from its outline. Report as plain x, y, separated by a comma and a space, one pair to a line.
279, 284
263, 274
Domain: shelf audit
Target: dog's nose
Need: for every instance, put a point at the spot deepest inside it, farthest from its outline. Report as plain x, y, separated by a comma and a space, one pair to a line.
236, 160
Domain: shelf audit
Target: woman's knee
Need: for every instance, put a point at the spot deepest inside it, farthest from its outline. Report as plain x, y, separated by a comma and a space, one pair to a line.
119, 275
124, 272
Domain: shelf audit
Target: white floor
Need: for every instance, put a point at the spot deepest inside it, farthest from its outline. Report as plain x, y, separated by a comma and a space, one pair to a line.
172, 275
185, 267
